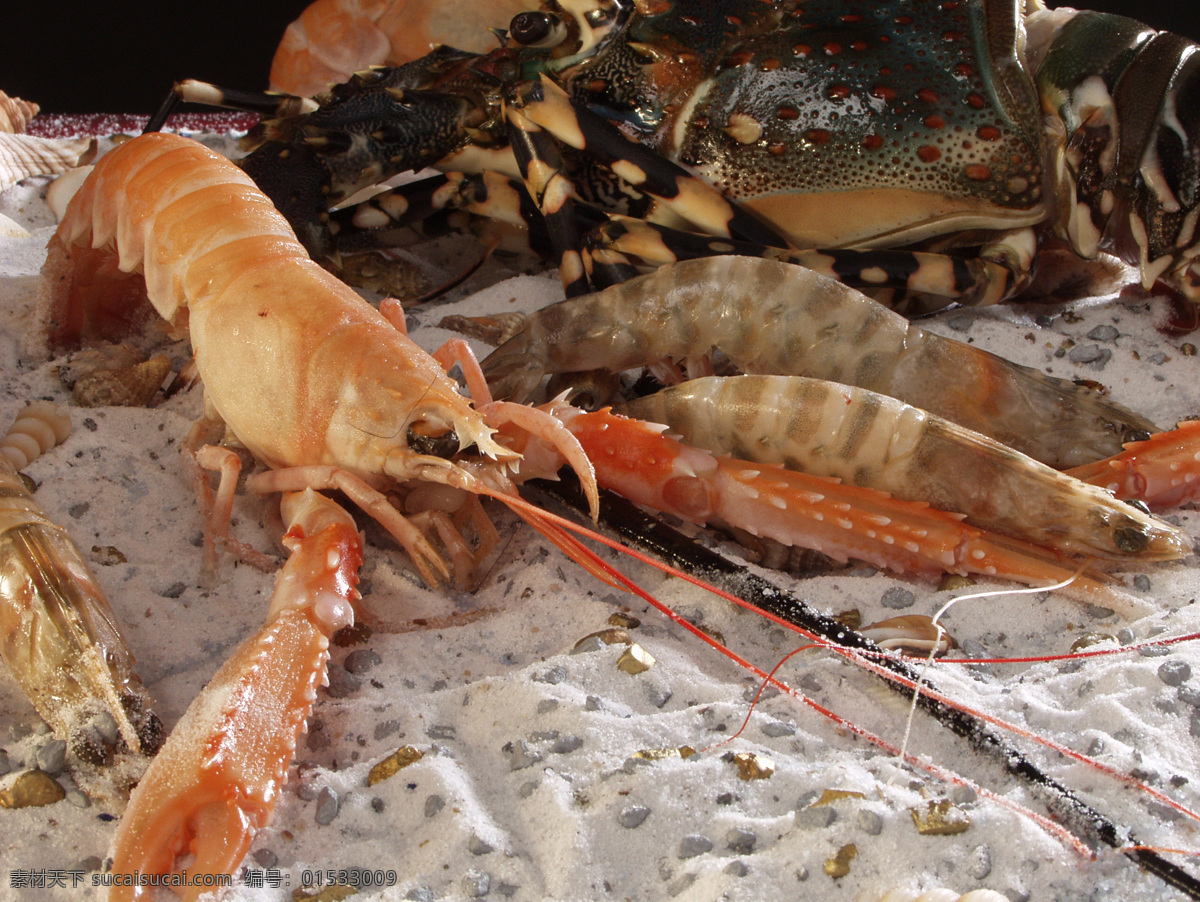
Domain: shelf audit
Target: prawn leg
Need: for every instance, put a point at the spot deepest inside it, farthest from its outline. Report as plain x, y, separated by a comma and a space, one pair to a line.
217, 778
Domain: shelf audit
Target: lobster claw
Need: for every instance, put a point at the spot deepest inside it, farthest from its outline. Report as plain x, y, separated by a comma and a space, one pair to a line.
217, 778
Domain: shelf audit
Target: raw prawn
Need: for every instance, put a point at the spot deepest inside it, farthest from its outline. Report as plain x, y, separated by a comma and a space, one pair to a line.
217, 778
867, 439
333, 39
770, 317
58, 633
638, 461
306, 374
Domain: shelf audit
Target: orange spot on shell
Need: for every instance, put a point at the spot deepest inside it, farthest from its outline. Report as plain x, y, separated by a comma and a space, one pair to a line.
883, 92
977, 172
927, 95
934, 121
928, 153
817, 136
872, 142
976, 101
989, 133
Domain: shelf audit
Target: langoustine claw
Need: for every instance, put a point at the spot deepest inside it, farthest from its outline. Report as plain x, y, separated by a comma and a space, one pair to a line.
217, 778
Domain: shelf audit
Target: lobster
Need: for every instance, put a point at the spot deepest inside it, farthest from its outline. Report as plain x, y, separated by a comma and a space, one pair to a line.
924, 150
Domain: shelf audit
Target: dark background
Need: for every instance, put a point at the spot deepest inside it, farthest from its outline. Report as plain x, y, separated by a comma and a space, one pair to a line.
121, 57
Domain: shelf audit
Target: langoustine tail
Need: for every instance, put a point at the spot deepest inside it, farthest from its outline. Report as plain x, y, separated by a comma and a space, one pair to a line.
217, 778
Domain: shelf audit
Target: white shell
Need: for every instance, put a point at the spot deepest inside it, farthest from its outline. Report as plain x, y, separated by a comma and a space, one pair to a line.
22, 156
15, 113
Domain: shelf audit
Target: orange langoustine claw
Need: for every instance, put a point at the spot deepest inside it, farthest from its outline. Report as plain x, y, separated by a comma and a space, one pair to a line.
217, 778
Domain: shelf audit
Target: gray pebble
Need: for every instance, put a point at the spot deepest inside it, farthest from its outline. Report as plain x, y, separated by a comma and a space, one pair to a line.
508, 890
79, 799
327, 806
520, 756
480, 846
897, 598
682, 885
420, 894
633, 816
777, 728
434, 804
816, 818
342, 683
361, 660
741, 841
1093, 355
546, 705
52, 756
306, 792
961, 323
527, 789
592, 703
1194, 723
1104, 333
979, 862
1189, 695
265, 858
658, 695
1125, 636
1153, 651
174, 590
5, 767
590, 644
869, 822
441, 731
377, 805
963, 795
737, 869
1175, 672
106, 726
1141, 582
386, 729
566, 745
553, 676
477, 884
694, 844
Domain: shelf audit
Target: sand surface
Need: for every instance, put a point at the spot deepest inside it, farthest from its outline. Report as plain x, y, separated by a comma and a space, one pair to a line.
529, 786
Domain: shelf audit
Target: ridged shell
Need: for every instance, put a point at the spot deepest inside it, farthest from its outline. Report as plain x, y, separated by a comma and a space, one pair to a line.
22, 156
15, 113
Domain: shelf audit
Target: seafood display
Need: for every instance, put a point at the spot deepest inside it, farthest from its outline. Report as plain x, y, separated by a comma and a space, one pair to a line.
492, 714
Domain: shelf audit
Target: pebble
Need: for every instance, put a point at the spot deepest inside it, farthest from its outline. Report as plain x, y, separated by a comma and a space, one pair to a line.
1175, 672
477, 884
79, 799
265, 858
441, 731
361, 660
386, 729
553, 676
1104, 333
1153, 651
328, 804
1125, 636
737, 868
1194, 724
434, 804
694, 844
816, 818
520, 756
979, 862
566, 745
420, 894
1189, 695
1141, 582
174, 590
527, 789
342, 683
633, 816
91, 863
592, 703
1094, 355
741, 841
107, 727
777, 728
869, 822
480, 846
546, 705
31, 790
52, 756
5, 767
377, 805
897, 598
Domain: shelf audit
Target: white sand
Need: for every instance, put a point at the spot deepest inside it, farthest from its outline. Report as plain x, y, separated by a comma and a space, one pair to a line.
528, 779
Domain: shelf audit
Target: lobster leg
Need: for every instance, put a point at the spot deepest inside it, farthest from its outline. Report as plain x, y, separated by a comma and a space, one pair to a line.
217, 778
1163, 471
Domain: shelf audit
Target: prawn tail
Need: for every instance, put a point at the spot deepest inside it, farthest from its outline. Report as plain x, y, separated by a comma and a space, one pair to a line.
217, 778
1162, 471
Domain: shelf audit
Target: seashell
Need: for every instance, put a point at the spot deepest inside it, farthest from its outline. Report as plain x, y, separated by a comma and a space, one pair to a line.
912, 633
134, 386
23, 156
37, 429
63, 188
941, 894
15, 113
9, 228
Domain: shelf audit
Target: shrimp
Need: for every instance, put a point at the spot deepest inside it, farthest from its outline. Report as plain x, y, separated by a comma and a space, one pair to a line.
867, 439
333, 39
58, 633
638, 461
771, 317
216, 780
313, 380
